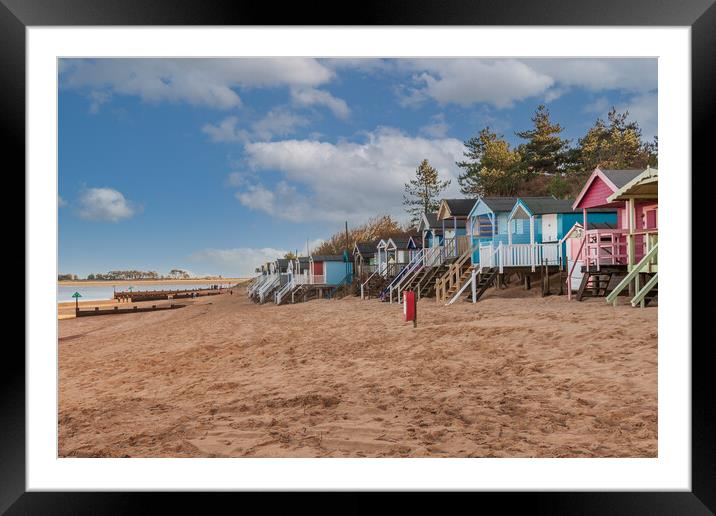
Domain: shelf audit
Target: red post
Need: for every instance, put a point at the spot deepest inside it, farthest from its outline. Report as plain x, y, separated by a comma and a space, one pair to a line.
409, 306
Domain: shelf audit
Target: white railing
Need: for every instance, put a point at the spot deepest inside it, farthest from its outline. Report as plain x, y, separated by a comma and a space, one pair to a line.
362, 285
318, 279
489, 256
278, 296
268, 286
301, 279
415, 263
261, 280
520, 255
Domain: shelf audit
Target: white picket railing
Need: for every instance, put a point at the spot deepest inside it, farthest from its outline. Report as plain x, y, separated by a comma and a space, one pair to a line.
520, 255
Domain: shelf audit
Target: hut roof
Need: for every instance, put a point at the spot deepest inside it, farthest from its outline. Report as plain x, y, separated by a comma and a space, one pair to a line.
327, 257
621, 177
456, 207
432, 219
645, 185
366, 248
499, 203
543, 205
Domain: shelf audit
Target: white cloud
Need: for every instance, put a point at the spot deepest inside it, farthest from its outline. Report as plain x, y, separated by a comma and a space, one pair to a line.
237, 262
313, 96
225, 131
61, 203
277, 122
205, 82
343, 181
638, 75
104, 204
470, 81
502, 82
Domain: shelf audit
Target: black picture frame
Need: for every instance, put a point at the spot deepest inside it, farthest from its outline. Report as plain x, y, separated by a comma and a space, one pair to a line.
700, 15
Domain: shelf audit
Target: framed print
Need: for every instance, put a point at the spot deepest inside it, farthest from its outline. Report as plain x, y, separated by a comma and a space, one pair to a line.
416, 252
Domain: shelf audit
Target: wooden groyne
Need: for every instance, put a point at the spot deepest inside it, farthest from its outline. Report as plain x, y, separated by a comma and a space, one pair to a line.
158, 295
117, 310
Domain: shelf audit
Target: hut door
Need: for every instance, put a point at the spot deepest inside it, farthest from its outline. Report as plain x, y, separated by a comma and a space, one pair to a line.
549, 228
317, 268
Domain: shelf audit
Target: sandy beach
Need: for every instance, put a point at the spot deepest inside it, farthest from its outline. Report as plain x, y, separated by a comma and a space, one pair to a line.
515, 375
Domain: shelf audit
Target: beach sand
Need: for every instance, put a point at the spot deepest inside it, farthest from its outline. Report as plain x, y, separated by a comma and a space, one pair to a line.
515, 375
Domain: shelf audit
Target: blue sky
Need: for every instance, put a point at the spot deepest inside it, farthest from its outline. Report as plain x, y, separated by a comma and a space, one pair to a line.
215, 165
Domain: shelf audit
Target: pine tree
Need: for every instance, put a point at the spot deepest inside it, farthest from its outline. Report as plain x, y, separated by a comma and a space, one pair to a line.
492, 168
616, 144
544, 151
422, 193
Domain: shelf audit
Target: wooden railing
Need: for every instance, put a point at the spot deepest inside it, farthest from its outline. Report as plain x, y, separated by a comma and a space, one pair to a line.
646, 264
605, 247
453, 274
640, 243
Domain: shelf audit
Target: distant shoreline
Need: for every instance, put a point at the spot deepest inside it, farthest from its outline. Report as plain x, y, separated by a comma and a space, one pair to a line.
150, 282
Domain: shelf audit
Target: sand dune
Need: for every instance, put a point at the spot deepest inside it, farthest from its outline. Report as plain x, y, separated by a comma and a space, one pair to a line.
517, 377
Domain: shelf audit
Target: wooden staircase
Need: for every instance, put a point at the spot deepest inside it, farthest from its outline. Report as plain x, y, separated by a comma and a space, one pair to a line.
465, 275
485, 280
424, 284
595, 284
374, 286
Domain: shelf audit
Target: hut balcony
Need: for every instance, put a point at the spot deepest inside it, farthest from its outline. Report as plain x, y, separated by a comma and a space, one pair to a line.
617, 247
530, 256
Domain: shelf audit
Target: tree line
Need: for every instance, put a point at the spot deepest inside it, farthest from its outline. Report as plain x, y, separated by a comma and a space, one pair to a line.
132, 275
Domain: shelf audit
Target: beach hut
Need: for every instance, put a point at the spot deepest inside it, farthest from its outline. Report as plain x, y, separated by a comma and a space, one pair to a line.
453, 215
400, 251
330, 270
640, 213
365, 258
430, 229
487, 222
394, 253
602, 254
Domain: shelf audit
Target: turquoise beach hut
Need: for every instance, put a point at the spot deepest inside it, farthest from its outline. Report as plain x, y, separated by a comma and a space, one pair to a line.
487, 222
330, 270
